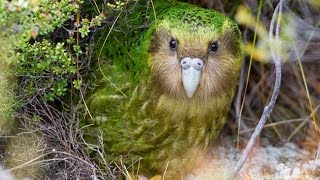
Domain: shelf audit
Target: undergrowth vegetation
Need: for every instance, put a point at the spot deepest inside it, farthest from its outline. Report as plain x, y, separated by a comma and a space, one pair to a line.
47, 49
41, 60
46, 70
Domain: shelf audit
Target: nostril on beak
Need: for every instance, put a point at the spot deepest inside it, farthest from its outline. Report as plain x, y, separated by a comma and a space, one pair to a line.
185, 63
196, 63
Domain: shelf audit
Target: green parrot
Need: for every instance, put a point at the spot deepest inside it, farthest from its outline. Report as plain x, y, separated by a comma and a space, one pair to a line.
161, 98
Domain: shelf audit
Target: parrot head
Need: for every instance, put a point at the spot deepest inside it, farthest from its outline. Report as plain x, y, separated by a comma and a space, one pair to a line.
194, 53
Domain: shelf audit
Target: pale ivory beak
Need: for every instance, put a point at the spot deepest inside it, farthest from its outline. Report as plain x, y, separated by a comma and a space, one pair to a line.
191, 74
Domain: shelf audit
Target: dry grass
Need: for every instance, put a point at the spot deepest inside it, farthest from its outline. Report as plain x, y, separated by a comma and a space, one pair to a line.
64, 154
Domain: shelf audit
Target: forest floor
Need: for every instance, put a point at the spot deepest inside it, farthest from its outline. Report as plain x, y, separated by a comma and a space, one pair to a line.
287, 161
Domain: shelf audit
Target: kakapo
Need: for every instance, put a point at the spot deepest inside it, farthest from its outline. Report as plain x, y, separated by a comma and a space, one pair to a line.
162, 98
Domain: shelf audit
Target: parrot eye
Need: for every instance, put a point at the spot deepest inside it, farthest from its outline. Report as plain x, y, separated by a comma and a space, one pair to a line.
214, 47
173, 44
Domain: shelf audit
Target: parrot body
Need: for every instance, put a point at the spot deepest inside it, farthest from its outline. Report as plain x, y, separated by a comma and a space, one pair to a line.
163, 100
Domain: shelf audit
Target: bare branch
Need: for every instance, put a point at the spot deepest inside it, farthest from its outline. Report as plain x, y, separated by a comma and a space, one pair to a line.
268, 109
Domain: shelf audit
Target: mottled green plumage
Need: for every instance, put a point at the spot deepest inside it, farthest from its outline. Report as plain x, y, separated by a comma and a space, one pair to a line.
140, 106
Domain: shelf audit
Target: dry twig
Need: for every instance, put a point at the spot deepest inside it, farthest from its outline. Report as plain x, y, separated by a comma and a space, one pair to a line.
268, 109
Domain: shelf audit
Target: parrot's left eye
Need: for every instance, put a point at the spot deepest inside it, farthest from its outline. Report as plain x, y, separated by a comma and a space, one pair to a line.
173, 44
214, 47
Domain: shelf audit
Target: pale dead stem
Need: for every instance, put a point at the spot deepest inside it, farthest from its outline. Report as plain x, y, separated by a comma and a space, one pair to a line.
318, 152
96, 148
124, 169
273, 40
165, 171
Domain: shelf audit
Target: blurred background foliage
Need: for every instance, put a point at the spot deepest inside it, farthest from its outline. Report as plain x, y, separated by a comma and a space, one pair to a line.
48, 49
295, 116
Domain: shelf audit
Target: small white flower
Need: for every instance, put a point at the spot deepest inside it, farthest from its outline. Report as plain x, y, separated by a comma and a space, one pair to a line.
23, 3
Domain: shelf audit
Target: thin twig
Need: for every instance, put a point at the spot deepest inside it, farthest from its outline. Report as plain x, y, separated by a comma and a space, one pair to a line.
318, 152
100, 52
154, 10
248, 74
268, 109
165, 171
78, 69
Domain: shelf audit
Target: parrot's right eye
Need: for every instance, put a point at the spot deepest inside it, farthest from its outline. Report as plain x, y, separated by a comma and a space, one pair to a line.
173, 44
